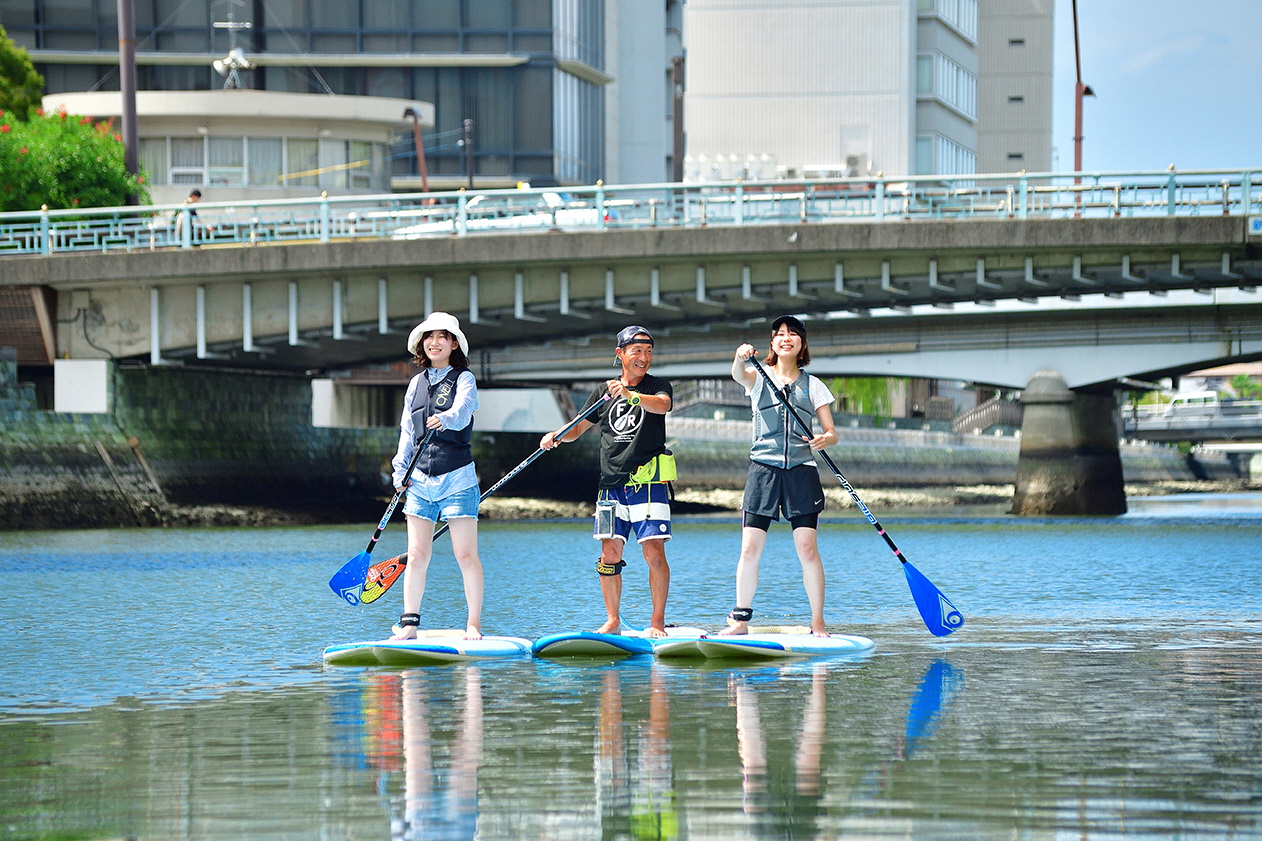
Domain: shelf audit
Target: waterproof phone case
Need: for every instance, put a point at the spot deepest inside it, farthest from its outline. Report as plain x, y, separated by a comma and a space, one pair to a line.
605, 519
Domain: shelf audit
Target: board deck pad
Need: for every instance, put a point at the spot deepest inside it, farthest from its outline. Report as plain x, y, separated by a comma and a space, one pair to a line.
426, 649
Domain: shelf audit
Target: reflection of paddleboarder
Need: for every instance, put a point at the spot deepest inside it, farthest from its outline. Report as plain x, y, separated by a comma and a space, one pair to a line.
637, 799
440, 803
752, 744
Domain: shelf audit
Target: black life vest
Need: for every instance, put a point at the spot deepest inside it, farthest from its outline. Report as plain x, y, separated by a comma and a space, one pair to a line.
448, 449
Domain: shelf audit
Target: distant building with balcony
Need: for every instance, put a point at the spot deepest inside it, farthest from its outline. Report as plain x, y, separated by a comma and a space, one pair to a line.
557, 91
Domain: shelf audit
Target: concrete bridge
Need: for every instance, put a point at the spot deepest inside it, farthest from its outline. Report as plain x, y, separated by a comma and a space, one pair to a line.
541, 280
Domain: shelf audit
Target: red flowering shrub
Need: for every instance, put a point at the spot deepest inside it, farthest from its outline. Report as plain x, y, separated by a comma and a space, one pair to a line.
63, 163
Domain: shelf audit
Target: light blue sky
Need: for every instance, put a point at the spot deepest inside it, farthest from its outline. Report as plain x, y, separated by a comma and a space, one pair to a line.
1176, 81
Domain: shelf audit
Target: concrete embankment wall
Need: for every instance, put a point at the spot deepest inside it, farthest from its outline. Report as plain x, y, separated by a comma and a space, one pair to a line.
715, 455
227, 438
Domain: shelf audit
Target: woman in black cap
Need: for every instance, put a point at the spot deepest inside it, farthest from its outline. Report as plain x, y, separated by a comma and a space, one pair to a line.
783, 477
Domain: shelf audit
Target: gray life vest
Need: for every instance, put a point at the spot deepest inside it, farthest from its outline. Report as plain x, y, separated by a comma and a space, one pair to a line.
448, 449
777, 437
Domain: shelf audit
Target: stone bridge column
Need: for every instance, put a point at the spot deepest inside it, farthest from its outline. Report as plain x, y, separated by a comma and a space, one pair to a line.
1069, 462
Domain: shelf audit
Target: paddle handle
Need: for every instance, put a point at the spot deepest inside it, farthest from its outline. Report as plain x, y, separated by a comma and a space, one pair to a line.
581, 416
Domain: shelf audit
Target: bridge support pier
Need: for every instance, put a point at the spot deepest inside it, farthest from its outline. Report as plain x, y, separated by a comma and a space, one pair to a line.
1069, 462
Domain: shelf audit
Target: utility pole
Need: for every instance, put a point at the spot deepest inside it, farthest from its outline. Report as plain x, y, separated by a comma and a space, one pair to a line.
127, 87
1080, 90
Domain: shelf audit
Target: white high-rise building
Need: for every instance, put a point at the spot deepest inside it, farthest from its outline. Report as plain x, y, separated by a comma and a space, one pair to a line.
813, 87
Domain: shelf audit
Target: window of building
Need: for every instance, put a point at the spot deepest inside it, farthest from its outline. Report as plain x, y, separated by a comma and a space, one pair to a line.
188, 160
1016, 99
940, 77
1016, 156
153, 160
961, 15
226, 161
1016, 42
301, 162
938, 155
266, 161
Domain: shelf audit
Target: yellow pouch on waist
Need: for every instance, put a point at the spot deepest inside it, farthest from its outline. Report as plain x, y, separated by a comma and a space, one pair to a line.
659, 469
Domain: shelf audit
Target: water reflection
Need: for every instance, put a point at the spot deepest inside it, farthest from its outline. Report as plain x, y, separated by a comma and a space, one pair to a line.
403, 736
635, 789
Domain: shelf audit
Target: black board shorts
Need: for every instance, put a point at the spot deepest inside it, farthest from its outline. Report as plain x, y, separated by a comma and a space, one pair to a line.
771, 490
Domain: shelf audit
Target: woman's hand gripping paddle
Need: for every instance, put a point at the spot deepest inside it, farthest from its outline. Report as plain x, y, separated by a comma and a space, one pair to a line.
381, 576
940, 616
348, 582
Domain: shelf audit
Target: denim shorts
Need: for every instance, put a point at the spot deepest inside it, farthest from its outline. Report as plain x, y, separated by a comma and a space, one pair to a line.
460, 504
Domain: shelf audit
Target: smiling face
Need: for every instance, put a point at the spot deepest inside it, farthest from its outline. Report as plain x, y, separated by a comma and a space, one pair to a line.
785, 344
437, 345
636, 359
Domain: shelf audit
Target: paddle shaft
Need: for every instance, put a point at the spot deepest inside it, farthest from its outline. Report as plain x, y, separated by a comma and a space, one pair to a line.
582, 416
394, 501
831, 464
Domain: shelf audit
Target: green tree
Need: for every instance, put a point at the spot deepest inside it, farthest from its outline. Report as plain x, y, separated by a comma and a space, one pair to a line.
863, 395
1246, 387
20, 85
64, 162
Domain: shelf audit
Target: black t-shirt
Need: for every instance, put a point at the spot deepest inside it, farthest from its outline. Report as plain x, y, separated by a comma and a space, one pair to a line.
629, 436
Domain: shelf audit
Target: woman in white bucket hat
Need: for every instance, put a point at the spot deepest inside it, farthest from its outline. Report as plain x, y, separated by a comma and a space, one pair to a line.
440, 403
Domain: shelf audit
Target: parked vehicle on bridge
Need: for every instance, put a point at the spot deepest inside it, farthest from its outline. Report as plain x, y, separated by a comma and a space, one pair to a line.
1193, 403
545, 211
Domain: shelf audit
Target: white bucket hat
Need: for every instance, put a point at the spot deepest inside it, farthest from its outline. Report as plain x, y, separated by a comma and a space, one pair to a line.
437, 321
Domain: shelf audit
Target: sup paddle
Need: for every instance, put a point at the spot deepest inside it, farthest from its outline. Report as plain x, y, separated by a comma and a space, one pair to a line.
348, 582
381, 576
940, 616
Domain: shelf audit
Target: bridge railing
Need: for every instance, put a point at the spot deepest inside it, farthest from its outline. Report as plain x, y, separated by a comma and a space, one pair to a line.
600, 207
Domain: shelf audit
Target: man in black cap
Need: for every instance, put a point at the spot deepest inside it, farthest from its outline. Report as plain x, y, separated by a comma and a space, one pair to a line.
634, 469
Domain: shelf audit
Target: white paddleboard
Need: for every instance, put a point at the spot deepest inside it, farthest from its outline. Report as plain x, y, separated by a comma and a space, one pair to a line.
426, 650
780, 646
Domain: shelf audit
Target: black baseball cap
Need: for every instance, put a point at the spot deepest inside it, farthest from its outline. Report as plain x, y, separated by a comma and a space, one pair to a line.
627, 336
792, 322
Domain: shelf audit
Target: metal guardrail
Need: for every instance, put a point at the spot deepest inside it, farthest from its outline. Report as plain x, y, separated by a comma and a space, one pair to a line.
822, 201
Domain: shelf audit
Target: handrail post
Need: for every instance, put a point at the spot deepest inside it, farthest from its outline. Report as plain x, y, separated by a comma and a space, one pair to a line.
1170, 191
462, 213
600, 204
45, 236
880, 198
1246, 192
186, 228
738, 206
1024, 185
324, 216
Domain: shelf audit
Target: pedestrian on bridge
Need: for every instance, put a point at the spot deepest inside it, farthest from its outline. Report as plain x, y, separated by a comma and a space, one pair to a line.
635, 467
444, 483
783, 478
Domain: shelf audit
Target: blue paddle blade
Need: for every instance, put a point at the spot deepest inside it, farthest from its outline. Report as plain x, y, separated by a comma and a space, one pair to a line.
348, 582
941, 617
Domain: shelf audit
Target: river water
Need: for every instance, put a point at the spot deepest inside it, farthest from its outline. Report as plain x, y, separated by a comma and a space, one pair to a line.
161, 684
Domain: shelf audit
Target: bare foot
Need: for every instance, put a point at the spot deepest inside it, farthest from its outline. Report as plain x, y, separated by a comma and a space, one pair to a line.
404, 633
611, 626
472, 633
734, 628
656, 633
819, 630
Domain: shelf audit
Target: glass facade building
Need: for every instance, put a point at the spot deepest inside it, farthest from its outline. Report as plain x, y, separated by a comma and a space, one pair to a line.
529, 74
